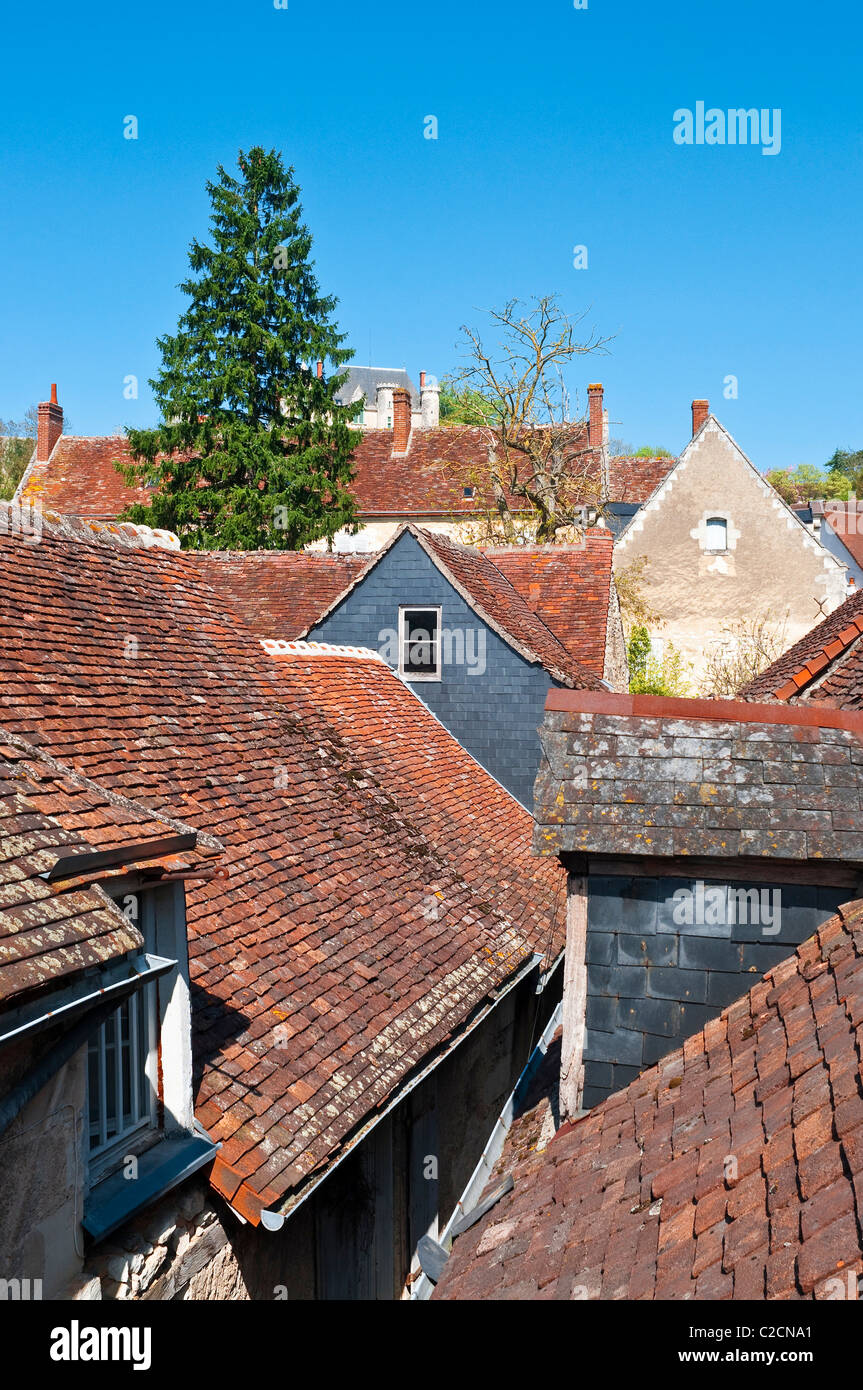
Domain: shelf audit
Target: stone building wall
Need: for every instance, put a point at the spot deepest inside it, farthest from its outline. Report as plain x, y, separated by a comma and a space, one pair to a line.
180, 1248
772, 567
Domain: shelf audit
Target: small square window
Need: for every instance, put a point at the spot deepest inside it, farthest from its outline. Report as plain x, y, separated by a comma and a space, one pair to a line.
716, 537
468, 492
419, 645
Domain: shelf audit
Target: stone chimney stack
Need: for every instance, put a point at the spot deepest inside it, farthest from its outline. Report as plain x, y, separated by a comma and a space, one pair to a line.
401, 419
700, 412
429, 402
595, 419
50, 426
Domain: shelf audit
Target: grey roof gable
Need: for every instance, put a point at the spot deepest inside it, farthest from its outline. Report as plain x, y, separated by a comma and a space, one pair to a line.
366, 379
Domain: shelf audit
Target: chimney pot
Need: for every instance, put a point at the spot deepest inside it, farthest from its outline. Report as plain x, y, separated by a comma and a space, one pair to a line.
422, 381
595, 417
401, 419
49, 425
700, 412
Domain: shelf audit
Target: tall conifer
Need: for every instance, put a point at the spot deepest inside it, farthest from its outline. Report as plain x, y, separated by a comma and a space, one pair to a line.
253, 450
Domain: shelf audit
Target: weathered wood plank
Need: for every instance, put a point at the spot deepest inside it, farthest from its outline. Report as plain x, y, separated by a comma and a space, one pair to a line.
574, 998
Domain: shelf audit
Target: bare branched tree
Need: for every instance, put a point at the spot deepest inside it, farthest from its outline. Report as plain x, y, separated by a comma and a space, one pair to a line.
745, 649
538, 457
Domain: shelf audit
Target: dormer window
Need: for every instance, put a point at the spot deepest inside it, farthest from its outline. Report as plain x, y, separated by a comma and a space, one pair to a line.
419, 644
123, 1078
139, 1106
716, 533
122, 1070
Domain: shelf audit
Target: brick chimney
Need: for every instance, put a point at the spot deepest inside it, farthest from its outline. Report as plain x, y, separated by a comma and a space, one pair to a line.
595, 430
320, 369
401, 419
50, 426
700, 412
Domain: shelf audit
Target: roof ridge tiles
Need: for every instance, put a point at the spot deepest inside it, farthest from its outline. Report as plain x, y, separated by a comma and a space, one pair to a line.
278, 646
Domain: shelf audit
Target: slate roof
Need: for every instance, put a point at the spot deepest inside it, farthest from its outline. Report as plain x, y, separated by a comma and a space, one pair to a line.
344, 946
825, 667
568, 587
279, 593
50, 929
429, 480
623, 774
637, 1199
366, 380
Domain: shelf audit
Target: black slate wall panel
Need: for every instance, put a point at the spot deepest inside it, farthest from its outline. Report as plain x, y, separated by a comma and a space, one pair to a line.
652, 982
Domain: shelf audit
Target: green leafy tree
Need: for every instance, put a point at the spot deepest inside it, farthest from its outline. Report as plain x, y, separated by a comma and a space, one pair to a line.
17, 438
253, 450
799, 485
845, 473
639, 654
649, 675
463, 405
14, 456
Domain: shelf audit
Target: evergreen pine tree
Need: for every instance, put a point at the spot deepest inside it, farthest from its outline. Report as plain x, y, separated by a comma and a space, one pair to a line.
253, 450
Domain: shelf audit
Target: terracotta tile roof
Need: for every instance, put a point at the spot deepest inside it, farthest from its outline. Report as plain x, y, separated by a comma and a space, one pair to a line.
438, 787
79, 479
846, 519
568, 587
280, 593
824, 667
637, 1200
344, 946
48, 814
642, 775
633, 479
488, 589
428, 480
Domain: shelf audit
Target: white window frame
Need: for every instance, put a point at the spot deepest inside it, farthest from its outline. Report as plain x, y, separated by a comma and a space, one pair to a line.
404, 610
142, 1130
713, 522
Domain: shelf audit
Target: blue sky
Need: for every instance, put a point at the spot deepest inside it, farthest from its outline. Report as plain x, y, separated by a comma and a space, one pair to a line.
555, 130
